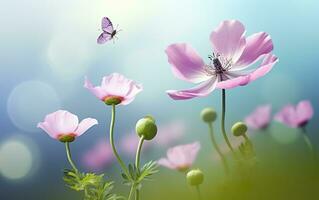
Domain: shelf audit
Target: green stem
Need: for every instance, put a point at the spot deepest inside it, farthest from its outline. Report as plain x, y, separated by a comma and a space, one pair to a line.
137, 163
131, 192
199, 196
68, 154
308, 142
124, 168
138, 152
223, 121
222, 157
137, 194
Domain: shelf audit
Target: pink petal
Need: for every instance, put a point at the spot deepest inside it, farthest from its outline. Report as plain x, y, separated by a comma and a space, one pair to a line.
287, 115
84, 125
228, 39
186, 63
97, 91
267, 64
200, 90
257, 45
192, 150
47, 128
118, 85
166, 163
304, 111
62, 122
259, 118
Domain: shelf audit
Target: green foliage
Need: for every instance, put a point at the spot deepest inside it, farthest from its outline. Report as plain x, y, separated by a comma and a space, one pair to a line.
94, 186
136, 176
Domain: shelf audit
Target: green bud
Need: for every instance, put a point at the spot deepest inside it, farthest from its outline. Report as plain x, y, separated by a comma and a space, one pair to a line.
146, 127
66, 138
113, 100
239, 129
195, 177
208, 115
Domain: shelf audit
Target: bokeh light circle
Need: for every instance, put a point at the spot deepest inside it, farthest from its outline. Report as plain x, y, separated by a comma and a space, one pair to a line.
29, 102
15, 159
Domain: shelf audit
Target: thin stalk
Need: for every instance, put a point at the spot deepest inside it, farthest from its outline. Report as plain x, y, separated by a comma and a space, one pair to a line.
137, 163
223, 121
138, 152
68, 154
222, 157
137, 194
124, 168
131, 192
199, 196
308, 143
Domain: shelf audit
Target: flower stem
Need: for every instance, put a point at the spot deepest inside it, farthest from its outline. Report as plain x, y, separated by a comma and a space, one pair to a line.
199, 196
222, 157
223, 121
308, 142
137, 163
124, 168
68, 154
137, 194
131, 192
138, 152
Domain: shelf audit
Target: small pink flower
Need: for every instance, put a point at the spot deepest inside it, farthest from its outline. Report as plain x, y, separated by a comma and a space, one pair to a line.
115, 87
99, 156
259, 118
232, 54
180, 157
63, 124
295, 116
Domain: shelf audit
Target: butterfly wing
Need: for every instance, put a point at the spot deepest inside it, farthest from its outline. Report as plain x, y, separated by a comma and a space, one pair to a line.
107, 25
103, 38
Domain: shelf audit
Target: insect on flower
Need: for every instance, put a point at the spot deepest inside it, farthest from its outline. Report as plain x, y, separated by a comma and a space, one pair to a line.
109, 33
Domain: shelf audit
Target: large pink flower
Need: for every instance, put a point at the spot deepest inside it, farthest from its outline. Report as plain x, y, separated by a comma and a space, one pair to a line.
63, 125
99, 156
180, 157
115, 88
295, 116
232, 55
259, 118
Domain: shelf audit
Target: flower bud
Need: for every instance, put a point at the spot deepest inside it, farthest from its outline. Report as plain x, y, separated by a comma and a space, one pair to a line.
113, 100
146, 127
208, 115
66, 138
195, 177
239, 129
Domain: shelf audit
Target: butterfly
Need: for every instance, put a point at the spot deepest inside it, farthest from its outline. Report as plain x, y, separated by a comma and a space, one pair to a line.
108, 33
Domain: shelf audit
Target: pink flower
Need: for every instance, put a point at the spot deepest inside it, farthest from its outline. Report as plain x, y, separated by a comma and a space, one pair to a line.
233, 53
115, 89
99, 156
259, 118
63, 125
180, 157
295, 116
169, 133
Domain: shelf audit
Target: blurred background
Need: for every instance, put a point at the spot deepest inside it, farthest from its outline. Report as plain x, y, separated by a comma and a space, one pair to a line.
47, 47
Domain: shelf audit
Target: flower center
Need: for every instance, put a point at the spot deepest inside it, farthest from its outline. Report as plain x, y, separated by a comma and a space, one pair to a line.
66, 137
113, 100
218, 65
